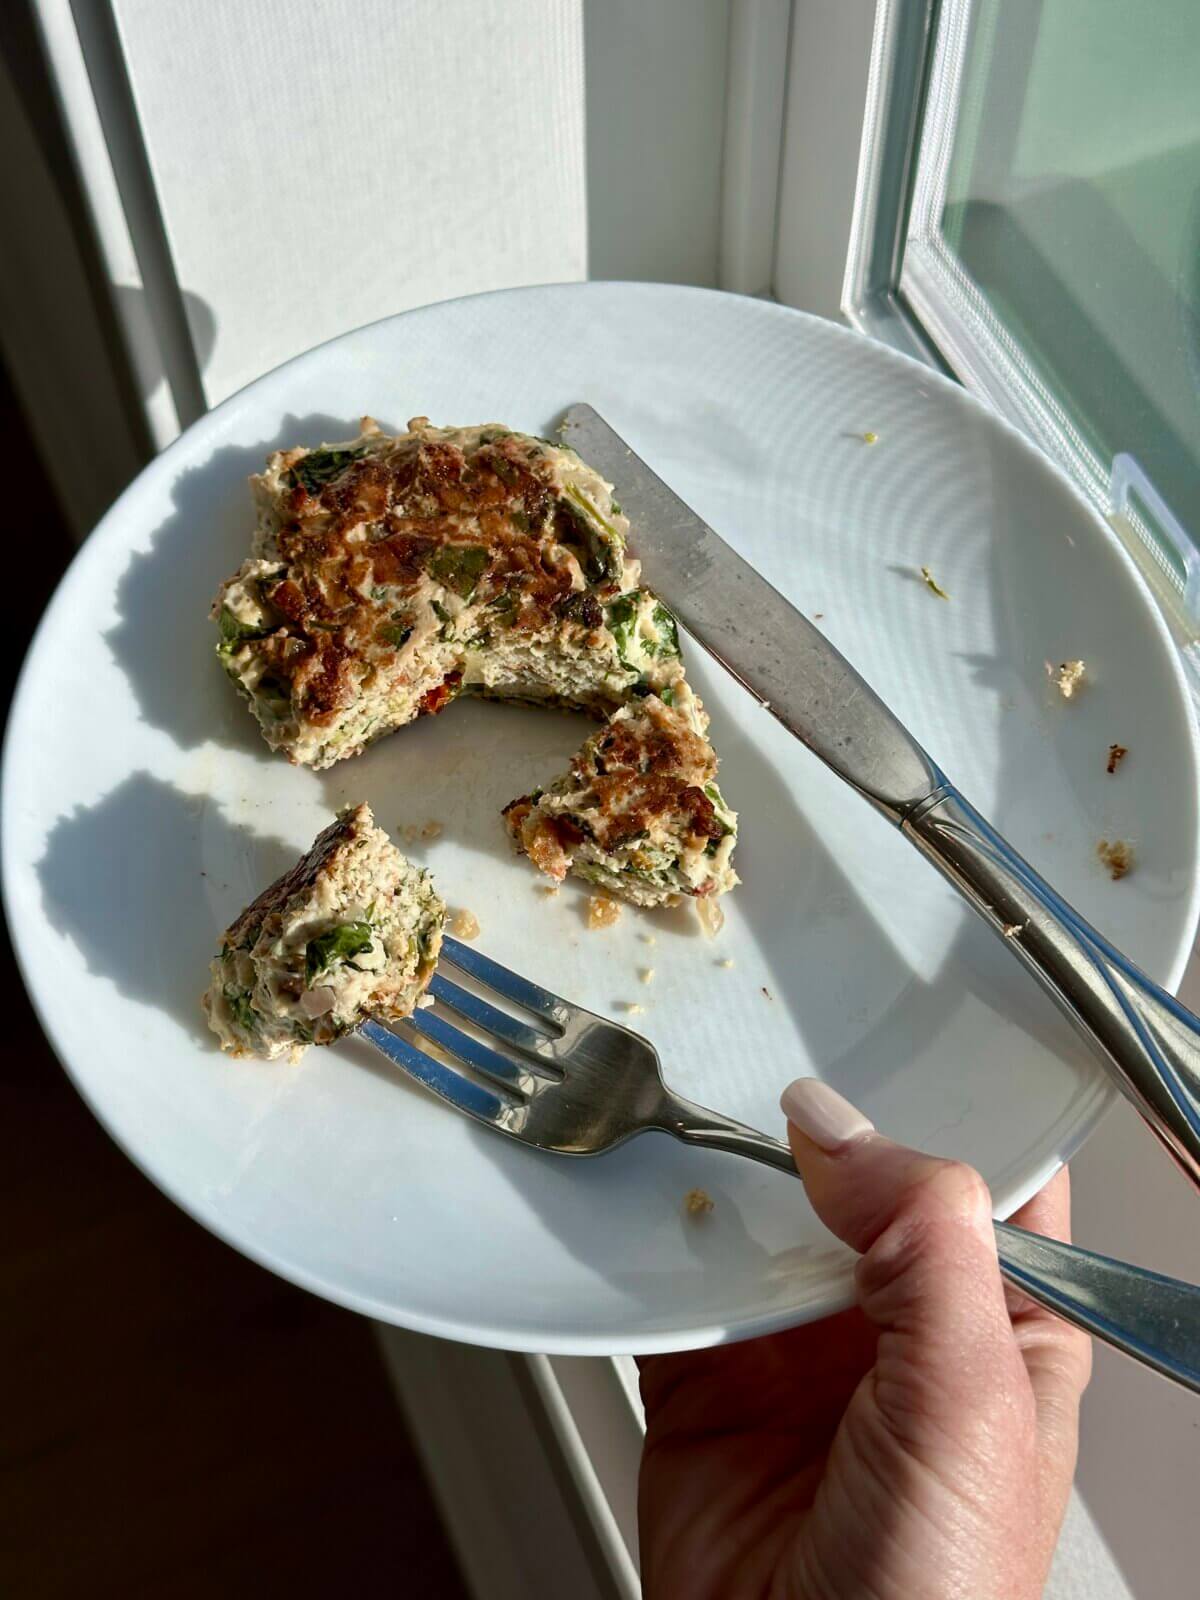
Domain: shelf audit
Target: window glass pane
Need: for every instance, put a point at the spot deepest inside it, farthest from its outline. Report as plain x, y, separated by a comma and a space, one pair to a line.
1070, 201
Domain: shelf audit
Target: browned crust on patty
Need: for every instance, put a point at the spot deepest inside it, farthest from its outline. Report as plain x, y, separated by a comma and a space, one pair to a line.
646, 768
354, 549
338, 836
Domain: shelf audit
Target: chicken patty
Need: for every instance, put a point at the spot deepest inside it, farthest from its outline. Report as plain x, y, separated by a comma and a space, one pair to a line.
353, 929
390, 574
639, 812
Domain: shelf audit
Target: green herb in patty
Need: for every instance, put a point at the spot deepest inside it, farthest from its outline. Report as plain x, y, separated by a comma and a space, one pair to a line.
275, 694
594, 532
718, 800
320, 467
232, 630
667, 629
240, 1009
459, 567
621, 618
339, 944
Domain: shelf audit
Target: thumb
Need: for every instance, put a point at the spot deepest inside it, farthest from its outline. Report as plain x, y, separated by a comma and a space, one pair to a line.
928, 1279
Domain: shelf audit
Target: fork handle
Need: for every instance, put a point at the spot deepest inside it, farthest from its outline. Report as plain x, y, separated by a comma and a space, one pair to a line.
1154, 1319
697, 1125
1147, 1041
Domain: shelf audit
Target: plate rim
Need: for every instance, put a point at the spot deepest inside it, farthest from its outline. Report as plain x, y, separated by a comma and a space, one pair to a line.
510, 1336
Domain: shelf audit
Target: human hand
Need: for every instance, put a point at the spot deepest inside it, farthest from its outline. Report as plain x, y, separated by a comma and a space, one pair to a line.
920, 1447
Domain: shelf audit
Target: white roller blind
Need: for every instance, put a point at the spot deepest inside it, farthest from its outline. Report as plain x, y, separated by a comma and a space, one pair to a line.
319, 165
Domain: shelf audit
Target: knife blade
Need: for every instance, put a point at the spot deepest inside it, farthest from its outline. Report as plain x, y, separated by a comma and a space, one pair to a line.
756, 634
1146, 1040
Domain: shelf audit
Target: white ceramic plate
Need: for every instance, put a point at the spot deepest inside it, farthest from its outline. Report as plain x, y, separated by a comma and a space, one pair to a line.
141, 812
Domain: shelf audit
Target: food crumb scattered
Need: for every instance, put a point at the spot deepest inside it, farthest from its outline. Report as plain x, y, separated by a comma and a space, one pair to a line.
1117, 856
633, 1008
727, 963
712, 918
424, 1003
1068, 677
432, 830
410, 832
767, 992
817, 615
870, 438
464, 925
647, 974
547, 889
1116, 754
602, 912
648, 938
933, 585
1012, 929
698, 1203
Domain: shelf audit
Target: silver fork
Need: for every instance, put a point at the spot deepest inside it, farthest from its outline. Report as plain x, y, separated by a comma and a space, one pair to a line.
572, 1083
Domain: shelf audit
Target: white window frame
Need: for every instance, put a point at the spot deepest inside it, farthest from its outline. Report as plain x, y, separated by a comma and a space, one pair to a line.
899, 283
947, 303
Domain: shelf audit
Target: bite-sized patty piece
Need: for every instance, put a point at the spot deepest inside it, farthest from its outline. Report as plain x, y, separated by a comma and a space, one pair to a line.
639, 813
390, 574
353, 929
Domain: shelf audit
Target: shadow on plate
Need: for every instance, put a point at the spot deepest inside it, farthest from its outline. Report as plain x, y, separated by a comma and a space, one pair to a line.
142, 846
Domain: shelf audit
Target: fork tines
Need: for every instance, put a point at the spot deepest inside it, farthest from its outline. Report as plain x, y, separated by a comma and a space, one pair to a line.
517, 1074
510, 984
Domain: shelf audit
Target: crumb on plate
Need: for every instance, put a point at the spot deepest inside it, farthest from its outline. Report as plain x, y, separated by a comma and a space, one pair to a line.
1117, 856
602, 912
1116, 754
464, 924
767, 992
727, 963
712, 917
1068, 677
647, 974
933, 585
870, 437
633, 1008
698, 1203
1012, 929
648, 938
432, 830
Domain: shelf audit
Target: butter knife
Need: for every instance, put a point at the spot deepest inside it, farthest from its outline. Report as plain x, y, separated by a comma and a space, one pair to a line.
1146, 1040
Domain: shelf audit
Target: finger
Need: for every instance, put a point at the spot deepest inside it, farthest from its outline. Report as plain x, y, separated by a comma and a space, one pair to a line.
1058, 1357
928, 1279
1048, 1212
816, 1366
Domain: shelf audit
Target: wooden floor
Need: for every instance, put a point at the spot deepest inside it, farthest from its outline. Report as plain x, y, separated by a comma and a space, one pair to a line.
174, 1422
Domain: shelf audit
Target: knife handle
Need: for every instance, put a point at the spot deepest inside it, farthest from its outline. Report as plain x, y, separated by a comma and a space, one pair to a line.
1149, 1043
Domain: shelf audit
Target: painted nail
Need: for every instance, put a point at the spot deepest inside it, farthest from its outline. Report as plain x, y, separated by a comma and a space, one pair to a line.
821, 1114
